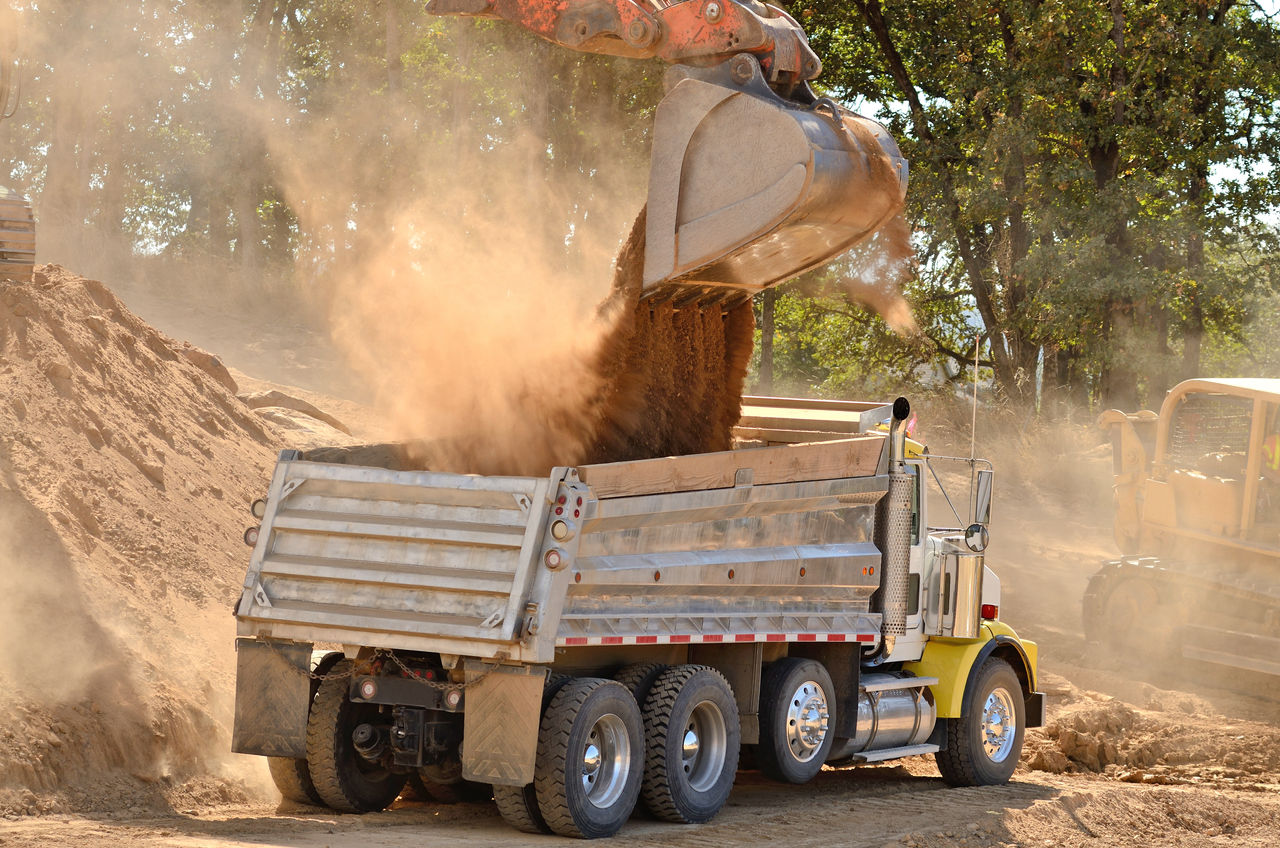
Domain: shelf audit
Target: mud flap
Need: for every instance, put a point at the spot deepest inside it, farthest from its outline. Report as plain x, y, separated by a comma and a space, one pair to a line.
273, 696
500, 723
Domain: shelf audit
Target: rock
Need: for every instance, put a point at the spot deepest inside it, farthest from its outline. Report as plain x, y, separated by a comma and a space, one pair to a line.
58, 371
211, 365
260, 400
1082, 748
1050, 760
98, 324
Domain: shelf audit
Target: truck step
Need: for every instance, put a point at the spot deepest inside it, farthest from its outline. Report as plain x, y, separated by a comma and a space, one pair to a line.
899, 683
894, 753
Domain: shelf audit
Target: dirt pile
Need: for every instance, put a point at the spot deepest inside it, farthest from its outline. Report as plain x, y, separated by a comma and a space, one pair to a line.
1174, 738
125, 471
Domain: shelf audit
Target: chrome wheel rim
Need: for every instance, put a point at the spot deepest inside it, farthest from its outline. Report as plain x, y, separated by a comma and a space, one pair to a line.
999, 725
605, 760
807, 715
704, 746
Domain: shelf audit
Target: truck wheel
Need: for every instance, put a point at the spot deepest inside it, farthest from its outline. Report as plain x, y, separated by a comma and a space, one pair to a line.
345, 780
983, 746
444, 784
518, 806
692, 736
292, 776
293, 779
590, 758
796, 713
639, 679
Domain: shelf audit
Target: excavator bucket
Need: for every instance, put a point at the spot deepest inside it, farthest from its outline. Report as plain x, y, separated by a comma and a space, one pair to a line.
747, 189
17, 237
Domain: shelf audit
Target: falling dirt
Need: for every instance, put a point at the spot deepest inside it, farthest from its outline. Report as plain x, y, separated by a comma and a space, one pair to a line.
665, 379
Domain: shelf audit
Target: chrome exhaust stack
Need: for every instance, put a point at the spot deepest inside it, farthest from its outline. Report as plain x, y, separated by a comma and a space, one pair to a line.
893, 521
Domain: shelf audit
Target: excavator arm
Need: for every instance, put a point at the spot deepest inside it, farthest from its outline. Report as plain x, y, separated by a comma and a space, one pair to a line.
753, 178
697, 33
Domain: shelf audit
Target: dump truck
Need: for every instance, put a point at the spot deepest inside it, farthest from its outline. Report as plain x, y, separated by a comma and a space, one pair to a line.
1197, 492
617, 634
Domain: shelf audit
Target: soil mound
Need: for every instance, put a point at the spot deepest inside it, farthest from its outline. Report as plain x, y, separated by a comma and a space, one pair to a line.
1174, 738
125, 472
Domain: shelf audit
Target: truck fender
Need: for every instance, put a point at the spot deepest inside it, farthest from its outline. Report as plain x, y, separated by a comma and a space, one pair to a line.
955, 661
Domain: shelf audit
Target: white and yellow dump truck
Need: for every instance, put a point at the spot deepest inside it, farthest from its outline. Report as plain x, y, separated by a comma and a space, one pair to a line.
616, 634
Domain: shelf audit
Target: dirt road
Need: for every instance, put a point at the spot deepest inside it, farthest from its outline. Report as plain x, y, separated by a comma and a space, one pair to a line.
869, 806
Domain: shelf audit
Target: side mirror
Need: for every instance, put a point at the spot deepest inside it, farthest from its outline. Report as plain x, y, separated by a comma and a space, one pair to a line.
982, 496
976, 538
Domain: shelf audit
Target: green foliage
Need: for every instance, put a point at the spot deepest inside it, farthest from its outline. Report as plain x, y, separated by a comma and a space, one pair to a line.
1094, 185
1080, 171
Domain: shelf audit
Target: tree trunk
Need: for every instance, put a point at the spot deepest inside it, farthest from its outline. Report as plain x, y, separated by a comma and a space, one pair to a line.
768, 300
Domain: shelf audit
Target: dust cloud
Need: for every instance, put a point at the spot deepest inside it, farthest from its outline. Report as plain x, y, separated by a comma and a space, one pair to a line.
496, 342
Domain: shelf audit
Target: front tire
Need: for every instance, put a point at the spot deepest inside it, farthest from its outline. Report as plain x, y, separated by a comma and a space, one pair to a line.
346, 781
692, 736
797, 720
590, 759
983, 745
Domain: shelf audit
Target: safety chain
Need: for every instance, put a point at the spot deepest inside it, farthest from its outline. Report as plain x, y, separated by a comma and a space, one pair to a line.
410, 673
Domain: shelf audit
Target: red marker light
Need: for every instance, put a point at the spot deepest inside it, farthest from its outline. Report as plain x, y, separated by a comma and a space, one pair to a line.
990, 611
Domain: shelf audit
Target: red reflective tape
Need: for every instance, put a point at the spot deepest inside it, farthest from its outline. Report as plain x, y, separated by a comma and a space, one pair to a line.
576, 640
681, 639
745, 637
866, 637
775, 637
611, 640
646, 640
713, 637
807, 637
836, 637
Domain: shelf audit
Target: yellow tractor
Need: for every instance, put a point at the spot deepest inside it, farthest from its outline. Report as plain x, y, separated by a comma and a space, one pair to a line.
1197, 491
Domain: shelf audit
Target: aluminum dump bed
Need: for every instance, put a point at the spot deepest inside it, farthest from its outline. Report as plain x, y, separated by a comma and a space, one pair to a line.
765, 544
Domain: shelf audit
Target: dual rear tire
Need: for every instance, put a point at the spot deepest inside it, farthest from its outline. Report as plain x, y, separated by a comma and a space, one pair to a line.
600, 750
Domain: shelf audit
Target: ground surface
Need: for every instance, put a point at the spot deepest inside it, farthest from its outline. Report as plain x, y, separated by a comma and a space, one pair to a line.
129, 561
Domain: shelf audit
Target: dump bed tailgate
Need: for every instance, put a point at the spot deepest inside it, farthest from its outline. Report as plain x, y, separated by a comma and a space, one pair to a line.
412, 560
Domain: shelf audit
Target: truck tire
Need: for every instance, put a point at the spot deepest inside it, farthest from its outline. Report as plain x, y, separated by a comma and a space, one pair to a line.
293, 779
590, 758
444, 784
983, 745
692, 736
292, 776
797, 709
639, 679
518, 806
346, 781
